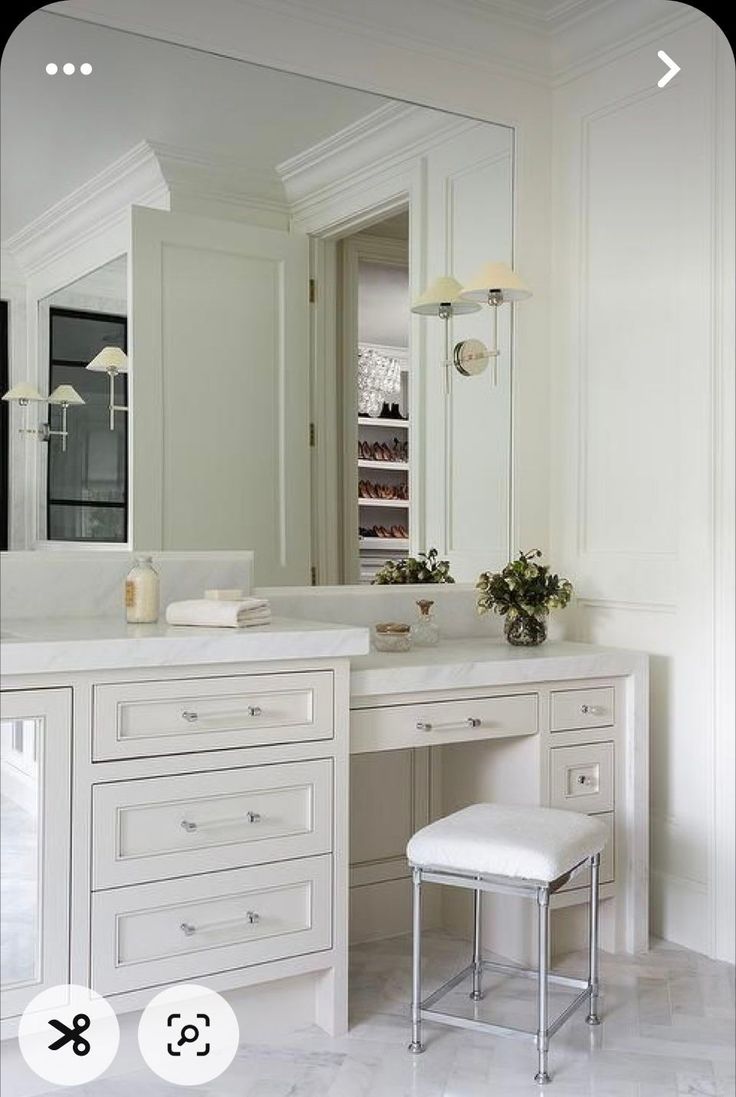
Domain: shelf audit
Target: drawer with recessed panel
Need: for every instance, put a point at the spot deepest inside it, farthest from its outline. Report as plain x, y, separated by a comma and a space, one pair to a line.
161, 827
576, 709
175, 930
145, 719
581, 777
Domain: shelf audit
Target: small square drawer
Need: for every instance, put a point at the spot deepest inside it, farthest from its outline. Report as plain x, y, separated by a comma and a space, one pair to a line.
160, 827
145, 719
581, 778
194, 926
608, 859
572, 709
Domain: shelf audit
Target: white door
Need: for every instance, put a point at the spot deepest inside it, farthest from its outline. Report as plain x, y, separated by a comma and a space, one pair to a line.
220, 390
35, 756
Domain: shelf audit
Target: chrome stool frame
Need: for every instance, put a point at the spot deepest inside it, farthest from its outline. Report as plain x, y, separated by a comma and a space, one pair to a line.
531, 889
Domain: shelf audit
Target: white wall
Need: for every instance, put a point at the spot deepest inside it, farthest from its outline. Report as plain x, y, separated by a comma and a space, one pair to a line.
639, 360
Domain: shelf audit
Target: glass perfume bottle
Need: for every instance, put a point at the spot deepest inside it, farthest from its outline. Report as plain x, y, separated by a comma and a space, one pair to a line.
142, 592
425, 630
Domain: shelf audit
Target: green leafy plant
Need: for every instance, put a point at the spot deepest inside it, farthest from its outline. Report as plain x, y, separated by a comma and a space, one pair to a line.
523, 589
426, 568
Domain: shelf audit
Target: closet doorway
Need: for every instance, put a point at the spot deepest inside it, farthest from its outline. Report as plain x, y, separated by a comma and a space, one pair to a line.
374, 379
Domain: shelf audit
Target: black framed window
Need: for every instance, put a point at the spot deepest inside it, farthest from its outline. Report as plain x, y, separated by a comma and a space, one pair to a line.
87, 486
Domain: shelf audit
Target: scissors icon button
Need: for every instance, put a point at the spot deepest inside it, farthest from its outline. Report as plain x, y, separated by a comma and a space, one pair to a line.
72, 1035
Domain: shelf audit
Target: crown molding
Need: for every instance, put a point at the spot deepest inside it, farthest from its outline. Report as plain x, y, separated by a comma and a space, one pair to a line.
225, 180
380, 143
150, 174
92, 209
542, 42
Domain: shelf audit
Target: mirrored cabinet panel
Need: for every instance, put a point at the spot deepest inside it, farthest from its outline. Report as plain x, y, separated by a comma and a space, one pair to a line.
35, 744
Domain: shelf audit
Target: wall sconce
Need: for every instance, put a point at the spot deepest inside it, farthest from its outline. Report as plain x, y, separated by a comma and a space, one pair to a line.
442, 298
63, 396
495, 284
112, 361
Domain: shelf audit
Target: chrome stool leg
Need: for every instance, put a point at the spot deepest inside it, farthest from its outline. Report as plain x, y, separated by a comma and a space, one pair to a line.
542, 1077
593, 980
477, 992
416, 976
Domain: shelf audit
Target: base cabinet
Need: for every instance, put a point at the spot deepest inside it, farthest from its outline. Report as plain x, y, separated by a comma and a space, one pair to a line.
35, 841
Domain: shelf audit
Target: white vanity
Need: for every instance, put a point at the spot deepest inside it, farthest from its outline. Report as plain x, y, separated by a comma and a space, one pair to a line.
193, 808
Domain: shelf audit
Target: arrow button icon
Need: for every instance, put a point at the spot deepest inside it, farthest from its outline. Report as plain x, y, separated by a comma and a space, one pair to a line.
672, 68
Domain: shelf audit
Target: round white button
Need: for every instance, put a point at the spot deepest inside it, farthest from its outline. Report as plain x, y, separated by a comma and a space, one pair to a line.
188, 1035
68, 1035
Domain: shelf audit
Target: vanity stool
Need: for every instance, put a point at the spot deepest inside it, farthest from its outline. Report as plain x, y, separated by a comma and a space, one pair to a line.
527, 851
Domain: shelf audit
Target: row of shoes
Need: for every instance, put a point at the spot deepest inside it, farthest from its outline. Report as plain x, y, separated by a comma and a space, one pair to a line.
367, 490
381, 451
382, 531
391, 412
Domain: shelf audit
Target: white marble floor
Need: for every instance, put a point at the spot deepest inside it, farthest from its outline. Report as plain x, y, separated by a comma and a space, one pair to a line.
668, 1031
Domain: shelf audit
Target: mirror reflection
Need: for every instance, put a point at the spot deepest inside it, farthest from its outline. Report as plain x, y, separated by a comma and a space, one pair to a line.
261, 262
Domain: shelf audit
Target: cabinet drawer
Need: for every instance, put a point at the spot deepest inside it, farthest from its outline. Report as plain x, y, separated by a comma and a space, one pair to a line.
572, 709
608, 859
437, 722
143, 719
581, 778
177, 826
161, 933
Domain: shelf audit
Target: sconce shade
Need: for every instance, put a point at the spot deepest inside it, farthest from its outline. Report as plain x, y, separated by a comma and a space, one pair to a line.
110, 360
443, 291
23, 391
495, 277
65, 394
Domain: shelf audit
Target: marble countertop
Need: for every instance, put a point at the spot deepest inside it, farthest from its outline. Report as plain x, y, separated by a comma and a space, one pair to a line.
463, 664
52, 645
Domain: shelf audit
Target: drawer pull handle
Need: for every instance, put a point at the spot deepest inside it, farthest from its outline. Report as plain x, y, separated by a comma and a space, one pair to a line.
583, 780
471, 722
206, 927
591, 710
255, 710
249, 817
190, 717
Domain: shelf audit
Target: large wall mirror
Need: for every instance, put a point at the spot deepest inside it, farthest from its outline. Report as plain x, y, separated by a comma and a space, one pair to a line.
236, 251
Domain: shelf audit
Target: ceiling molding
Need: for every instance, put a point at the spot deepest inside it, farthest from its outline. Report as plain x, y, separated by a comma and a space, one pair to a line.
150, 174
542, 41
380, 143
89, 210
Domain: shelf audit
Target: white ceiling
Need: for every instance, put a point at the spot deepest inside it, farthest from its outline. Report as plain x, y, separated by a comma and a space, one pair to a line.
58, 131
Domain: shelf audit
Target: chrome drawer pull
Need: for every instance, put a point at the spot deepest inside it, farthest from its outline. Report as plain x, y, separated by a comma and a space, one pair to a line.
190, 717
193, 717
206, 927
583, 780
255, 710
592, 710
471, 722
249, 817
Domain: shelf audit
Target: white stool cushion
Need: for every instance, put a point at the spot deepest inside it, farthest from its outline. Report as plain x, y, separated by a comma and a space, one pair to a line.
507, 840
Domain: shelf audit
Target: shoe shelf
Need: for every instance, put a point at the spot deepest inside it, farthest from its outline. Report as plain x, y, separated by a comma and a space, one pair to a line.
390, 466
366, 421
389, 543
364, 502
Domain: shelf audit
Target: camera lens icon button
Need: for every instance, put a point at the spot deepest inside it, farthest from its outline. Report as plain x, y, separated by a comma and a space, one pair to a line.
188, 1034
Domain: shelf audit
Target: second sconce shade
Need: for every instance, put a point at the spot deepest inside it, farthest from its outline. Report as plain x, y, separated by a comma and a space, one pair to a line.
443, 294
493, 284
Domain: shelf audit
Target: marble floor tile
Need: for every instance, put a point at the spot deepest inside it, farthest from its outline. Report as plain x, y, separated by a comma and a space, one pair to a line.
668, 1031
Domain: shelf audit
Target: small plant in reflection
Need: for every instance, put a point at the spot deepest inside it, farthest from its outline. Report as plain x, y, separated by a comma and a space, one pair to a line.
523, 593
426, 568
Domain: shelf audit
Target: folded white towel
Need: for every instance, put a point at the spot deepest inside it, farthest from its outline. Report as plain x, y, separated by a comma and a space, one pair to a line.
208, 613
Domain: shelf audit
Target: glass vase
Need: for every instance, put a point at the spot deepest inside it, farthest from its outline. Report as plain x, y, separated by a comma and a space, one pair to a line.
525, 631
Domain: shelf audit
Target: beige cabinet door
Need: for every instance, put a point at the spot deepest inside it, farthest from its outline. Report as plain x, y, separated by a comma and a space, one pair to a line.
219, 351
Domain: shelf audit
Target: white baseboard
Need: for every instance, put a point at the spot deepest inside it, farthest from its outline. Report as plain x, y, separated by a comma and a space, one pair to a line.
680, 911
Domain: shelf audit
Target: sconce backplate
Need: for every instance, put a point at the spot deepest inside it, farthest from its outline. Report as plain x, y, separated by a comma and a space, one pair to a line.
470, 357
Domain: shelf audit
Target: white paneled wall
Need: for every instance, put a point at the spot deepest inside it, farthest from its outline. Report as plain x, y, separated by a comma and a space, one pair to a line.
636, 364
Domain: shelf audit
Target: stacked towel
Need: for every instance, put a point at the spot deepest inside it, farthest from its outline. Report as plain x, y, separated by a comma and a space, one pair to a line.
208, 613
